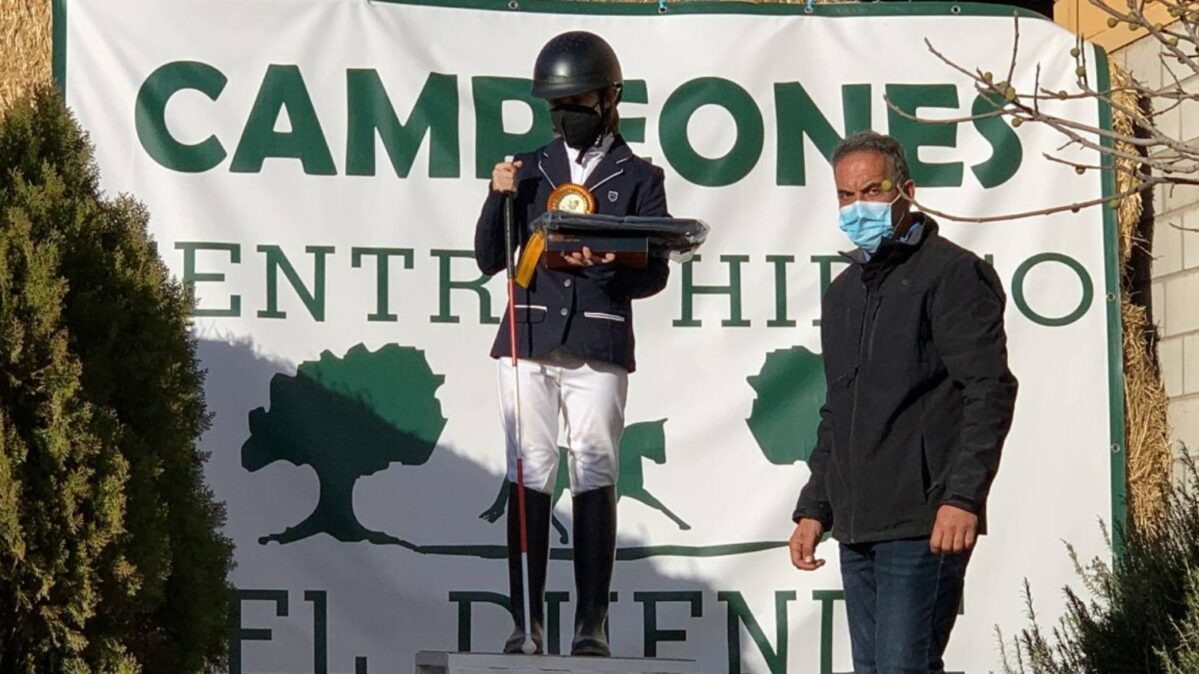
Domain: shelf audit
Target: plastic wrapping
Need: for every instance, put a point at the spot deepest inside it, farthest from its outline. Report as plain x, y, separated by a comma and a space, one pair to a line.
674, 238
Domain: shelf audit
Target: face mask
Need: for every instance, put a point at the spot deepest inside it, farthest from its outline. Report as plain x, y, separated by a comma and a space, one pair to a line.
580, 125
867, 223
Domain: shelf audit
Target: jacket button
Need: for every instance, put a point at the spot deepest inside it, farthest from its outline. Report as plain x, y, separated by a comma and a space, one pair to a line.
567, 283
564, 311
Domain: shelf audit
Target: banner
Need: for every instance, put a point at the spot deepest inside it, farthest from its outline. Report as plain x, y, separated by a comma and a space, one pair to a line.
314, 170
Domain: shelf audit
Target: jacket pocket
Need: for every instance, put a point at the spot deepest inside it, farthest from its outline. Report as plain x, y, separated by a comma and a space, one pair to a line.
530, 313
910, 471
604, 316
934, 490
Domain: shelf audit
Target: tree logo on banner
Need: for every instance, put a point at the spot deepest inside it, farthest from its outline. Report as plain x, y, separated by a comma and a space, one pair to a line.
786, 412
347, 418
351, 416
646, 440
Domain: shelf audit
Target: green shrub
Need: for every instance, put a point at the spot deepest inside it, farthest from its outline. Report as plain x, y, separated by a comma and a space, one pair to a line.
1142, 613
111, 558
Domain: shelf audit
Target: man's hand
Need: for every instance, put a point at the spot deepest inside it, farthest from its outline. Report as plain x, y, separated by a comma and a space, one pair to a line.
587, 259
503, 176
954, 532
803, 544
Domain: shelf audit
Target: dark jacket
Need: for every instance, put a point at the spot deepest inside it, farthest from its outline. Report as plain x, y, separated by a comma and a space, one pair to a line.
586, 311
920, 397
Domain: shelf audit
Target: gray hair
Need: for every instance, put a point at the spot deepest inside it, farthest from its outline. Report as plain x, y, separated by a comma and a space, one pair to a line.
870, 141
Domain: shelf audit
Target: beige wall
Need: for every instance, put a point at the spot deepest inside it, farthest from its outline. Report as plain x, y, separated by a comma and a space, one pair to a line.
1080, 16
1176, 255
1176, 252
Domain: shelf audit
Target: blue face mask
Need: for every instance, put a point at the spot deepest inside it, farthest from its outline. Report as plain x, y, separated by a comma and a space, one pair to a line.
867, 223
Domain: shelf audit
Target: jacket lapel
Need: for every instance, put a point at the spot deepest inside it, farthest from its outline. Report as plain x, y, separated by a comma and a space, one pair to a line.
611, 165
552, 163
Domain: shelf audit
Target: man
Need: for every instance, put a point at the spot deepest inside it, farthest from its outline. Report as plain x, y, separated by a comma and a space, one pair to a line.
919, 402
574, 331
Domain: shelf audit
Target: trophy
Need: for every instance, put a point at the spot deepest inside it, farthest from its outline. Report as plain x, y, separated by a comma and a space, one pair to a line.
570, 224
578, 200
572, 198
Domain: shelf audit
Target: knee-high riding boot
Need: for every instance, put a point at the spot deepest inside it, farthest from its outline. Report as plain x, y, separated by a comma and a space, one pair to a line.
594, 554
537, 516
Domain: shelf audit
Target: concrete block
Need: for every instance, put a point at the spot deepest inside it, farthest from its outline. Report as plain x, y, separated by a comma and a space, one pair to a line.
1184, 424
1182, 303
1167, 246
1157, 300
1143, 59
1169, 354
1190, 364
1167, 117
1175, 73
1190, 239
1188, 116
1178, 197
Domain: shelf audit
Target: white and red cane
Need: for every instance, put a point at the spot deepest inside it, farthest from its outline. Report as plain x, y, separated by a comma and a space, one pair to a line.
528, 647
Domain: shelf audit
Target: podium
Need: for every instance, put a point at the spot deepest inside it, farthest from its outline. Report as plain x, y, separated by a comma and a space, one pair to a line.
439, 662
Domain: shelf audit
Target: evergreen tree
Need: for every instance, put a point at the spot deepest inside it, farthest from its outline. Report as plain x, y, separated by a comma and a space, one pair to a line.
157, 582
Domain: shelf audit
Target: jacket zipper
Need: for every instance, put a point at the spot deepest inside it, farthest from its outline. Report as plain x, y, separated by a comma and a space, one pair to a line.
853, 413
878, 305
869, 317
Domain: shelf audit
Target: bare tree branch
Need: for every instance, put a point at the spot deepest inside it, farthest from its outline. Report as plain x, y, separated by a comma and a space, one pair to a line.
1074, 207
1000, 112
1148, 179
1011, 71
1152, 156
1036, 102
1138, 18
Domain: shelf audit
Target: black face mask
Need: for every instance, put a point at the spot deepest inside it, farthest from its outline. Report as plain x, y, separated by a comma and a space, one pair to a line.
580, 125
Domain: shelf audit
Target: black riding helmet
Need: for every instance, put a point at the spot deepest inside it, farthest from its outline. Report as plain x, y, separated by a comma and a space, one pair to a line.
575, 63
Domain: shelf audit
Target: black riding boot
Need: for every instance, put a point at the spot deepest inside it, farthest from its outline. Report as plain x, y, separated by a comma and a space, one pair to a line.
594, 553
537, 515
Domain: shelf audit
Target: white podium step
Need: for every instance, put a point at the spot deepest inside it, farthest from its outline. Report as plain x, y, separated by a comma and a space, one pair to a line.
437, 662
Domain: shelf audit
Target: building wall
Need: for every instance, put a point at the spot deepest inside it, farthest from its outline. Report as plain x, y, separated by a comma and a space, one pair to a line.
1082, 17
1175, 251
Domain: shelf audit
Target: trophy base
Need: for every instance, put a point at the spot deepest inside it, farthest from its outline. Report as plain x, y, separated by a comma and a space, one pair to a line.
439, 662
632, 251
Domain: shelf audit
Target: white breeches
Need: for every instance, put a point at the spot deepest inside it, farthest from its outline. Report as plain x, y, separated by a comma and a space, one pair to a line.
588, 395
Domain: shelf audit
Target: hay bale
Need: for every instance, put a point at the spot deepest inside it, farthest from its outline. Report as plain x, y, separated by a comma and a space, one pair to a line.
25, 47
1148, 458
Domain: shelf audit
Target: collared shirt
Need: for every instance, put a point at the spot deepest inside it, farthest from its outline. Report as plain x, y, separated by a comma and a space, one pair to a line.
913, 232
581, 168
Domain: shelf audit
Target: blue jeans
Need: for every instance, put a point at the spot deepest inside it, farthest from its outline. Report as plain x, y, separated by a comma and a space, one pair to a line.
902, 601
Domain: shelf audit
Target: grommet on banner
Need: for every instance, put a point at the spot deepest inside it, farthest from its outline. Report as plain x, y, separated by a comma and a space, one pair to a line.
662, 6
956, 9
513, 4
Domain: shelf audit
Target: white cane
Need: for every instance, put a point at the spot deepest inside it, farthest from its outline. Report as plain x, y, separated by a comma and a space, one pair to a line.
528, 647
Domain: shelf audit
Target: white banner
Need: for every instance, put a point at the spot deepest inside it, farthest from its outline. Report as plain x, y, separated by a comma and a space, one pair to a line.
315, 168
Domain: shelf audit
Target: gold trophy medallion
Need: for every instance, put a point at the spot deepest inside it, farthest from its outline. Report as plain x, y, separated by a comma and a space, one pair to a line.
572, 198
